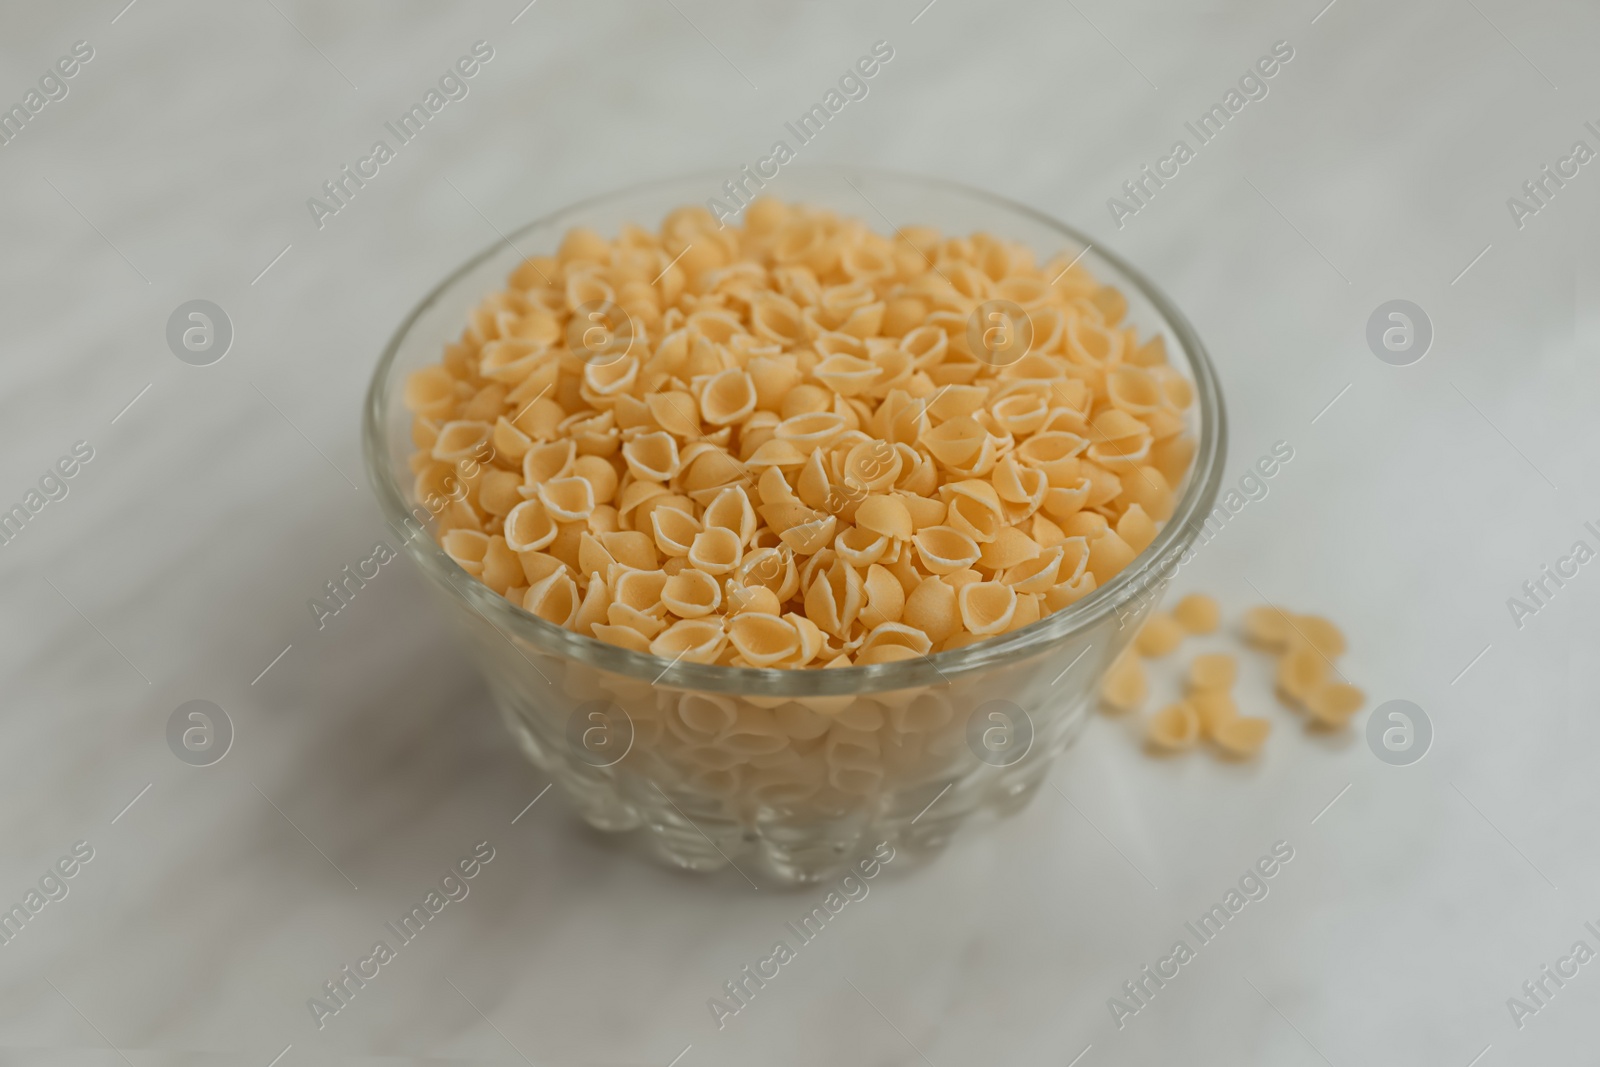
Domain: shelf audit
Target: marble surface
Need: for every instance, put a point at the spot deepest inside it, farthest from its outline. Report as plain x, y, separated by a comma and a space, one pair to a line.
367, 760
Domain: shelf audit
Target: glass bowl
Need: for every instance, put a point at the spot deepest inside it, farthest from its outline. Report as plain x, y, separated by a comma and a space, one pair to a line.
788, 775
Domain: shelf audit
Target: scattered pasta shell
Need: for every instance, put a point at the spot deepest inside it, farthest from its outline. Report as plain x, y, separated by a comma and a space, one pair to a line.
764, 640
1242, 737
1214, 671
1215, 707
1159, 636
1267, 627
1301, 671
1198, 614
987, 607
1174, 728
1333, 703
1124, 686
691, 594
1319, 633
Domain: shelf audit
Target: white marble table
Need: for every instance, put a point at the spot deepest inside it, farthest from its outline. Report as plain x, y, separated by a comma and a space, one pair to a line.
366, 759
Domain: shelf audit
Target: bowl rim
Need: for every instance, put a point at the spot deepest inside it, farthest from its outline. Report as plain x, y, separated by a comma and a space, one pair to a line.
1134, 580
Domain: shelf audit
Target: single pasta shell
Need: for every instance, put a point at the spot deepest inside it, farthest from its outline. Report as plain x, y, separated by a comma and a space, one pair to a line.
1133, 390
691, 594
1136, 528
1242, 737
1319, 633
1174, 728
554, 600
674, 530
987, 607
1301, 671
1214, 671
694, 640
1108, 554
932, 607
652, 457
1124, 686
731, 509
467, 548
1159, 636
639, 590
1198, 614
898, 635
727, 398
1333, 703
567, 499
1010, 548
529, 528
717, 550
675, 412
1215, 707
945, 550
885, 515
1035, 575
860, 547
1267, 627
621, 636
764, 640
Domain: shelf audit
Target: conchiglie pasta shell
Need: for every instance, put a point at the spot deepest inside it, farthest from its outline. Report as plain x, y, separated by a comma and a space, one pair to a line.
987, 607
467, 548
554, 600
764, 640
691, 594
694, 640
944, 549
529, 527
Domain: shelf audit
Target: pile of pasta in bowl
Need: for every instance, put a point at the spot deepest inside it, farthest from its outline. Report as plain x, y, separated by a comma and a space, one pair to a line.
797, 442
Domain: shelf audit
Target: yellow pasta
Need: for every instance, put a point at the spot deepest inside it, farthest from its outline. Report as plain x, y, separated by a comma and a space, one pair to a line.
1301, 670
1333, 703
785, 452
1214, 671
1173, 728
1241, 737
1267, 627
1215, 707
1198, 614
1159, 636
1124, 686
1319, 633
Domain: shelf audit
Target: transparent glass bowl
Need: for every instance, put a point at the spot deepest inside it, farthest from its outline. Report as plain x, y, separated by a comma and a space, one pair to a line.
786, 775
